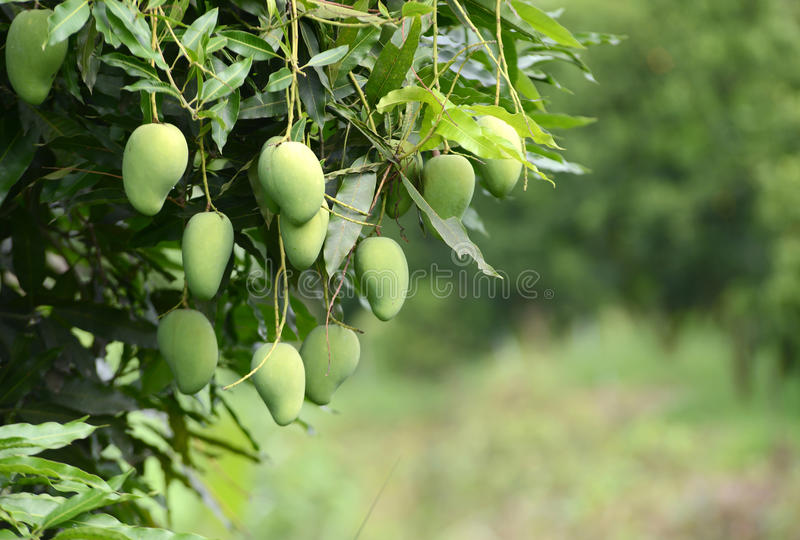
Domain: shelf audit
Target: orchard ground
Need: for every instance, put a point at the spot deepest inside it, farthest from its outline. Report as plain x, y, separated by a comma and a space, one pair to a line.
604, 432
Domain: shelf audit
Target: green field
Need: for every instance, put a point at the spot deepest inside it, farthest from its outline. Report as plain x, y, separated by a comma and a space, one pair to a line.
605, 432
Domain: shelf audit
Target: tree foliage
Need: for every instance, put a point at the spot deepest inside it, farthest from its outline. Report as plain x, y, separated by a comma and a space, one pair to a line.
85, 277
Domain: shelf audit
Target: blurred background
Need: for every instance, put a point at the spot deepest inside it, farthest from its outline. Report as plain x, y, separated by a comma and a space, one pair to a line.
651, 387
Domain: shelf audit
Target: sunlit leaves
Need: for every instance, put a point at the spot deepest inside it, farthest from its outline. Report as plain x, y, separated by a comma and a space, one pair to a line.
67, 18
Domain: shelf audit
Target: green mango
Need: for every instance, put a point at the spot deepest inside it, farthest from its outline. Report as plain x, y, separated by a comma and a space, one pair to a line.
382, 271
398, 201
322, 380
281, 381
303, 242
448, 183
31, 63
266, 206
499, 176
154, 160
262, 168
206, 248
292, 176
189, 345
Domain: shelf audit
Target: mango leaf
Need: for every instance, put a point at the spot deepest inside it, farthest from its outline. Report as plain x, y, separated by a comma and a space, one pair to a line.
357, 190
362, 43
266, 105
79, 504
228, 80
247, 44
29, 508
151, 86
325, 9
455, 124
109, 523
103, 24
393, 64
410, 9
542, 22
28, 439
132, 65
312, 94
279, 80
66, 475
201, 28
451, 230
88, 532
216, 43
66, 19
224, 115
524, 125
16, 152
326, 58
561, 121
127, 25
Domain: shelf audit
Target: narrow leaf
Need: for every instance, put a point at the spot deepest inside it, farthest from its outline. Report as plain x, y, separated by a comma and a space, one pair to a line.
393, 64
247, 44
279, 80
542, 22
226, 81
66, 19
328, 57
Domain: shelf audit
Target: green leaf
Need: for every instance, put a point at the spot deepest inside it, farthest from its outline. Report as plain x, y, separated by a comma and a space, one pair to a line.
325, 58
27, 439
109, 523
29, 508
17, 149
47, 469
561, 121
224, 114
279, 80
247, 44
146, 85
193, 36
325, 9
411, 9
90, 533
545, 24
67, 18
127, 25
363, 42
227, 80
77, 505
524, 125
357, 190
266, 105
132, 65
451, 230
393, 64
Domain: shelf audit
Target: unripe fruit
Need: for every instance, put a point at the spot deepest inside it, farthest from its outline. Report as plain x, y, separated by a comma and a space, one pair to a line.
382, 270
398, 201
31, 63
322, 378
154, 160
292, 176
499, 176
448, 183
281, 381
206, 248
303, 242
265, 205
189, 345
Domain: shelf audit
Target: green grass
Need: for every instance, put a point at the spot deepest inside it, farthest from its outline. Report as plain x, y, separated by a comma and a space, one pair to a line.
603, 433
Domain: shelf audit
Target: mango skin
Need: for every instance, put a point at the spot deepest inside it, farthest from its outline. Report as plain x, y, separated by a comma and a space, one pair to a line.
154, 160
382, 270
448, 183
31, 70
303, 242
398, 201
189, 345
266, 205
206, 248
499, 176
281, 381
344, 354
292, 177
